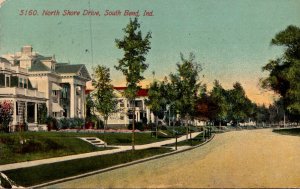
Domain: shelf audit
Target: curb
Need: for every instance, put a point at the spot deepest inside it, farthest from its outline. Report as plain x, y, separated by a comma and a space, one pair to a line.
119, 166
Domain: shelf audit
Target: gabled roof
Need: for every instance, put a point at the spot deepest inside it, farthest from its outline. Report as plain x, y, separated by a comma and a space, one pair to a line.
68, 68
41, 57
38, 66
78, 69
4, 60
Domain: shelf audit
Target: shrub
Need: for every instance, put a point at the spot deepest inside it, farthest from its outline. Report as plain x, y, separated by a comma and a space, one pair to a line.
138, 125
5, 115
71, 123
42, 113
52, 123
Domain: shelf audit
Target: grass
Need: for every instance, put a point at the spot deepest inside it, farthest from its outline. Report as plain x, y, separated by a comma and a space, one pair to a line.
27, 146
49, 172
289, 131
190, 142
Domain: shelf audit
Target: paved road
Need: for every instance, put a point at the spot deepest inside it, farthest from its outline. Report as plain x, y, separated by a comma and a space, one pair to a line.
256, 158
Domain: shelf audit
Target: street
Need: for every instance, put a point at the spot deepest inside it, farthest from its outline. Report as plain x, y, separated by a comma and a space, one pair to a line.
248, 158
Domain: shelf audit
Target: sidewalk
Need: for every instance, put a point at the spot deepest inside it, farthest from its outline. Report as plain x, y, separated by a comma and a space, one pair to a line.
85, 155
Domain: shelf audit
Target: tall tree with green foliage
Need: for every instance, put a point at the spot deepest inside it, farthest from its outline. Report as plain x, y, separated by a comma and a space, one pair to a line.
240, 106
284, 72
133, 65
219, 98
104, 98
186, 86
155, 101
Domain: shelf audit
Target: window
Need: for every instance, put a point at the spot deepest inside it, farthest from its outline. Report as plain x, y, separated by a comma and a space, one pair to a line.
138, 103
64, 92
54, 93
25, 83
7, 83
21, 82
121, 104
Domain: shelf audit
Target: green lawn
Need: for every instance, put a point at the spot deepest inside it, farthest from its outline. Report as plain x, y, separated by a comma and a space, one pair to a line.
49, 172
26, 146
190, 142
290, 131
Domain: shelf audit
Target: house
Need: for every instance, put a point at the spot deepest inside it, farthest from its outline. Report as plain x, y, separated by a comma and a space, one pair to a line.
16, 89
62, 84
124, 114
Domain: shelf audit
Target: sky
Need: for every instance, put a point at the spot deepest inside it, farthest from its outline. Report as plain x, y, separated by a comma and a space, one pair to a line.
230, 38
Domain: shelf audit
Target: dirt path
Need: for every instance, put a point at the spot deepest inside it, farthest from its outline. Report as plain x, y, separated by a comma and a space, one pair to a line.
256, 158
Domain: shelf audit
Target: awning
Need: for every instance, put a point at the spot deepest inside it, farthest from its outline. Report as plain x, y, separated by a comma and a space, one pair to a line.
56, 87
56, 107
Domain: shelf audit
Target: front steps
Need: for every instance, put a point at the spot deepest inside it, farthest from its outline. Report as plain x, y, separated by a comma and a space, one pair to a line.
94, 141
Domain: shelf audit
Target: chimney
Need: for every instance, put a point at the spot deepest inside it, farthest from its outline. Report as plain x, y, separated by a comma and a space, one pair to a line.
26, 59
27, 49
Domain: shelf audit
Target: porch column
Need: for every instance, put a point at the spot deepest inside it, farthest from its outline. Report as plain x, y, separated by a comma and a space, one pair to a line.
83, 102
25, 113
15, 113
137, 116
126, 120
35, 113
148, 115
73, 107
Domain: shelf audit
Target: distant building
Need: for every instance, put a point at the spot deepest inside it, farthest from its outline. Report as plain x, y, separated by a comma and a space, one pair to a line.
124, 114
61, 86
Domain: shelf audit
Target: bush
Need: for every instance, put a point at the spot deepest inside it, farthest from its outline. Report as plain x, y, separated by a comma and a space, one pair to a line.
52, 123
71, 123
5, 115
138, 125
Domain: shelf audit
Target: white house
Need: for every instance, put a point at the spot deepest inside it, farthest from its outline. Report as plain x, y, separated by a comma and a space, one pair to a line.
123, 116
62, 84
16, 89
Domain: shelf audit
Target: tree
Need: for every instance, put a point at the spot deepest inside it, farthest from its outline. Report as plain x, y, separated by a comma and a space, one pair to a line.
104, 98
218, 96
284, 72
155, 101
262, 114
186, 85
206, 108
240, 108
132, 65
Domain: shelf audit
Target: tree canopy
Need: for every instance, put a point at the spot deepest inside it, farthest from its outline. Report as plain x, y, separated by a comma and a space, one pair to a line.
284, 72
185, 83
104, 98
132, 65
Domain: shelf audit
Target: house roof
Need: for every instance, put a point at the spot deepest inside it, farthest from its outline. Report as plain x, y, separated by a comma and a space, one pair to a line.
60, 68
38, 66
68, 68
140, 93
4, 60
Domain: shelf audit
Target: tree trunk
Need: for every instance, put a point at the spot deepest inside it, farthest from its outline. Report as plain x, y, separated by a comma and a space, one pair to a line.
187, 130
105, 123
133, 128
156, 125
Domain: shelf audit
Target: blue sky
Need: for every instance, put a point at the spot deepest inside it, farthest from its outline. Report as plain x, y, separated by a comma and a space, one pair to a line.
230, 38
